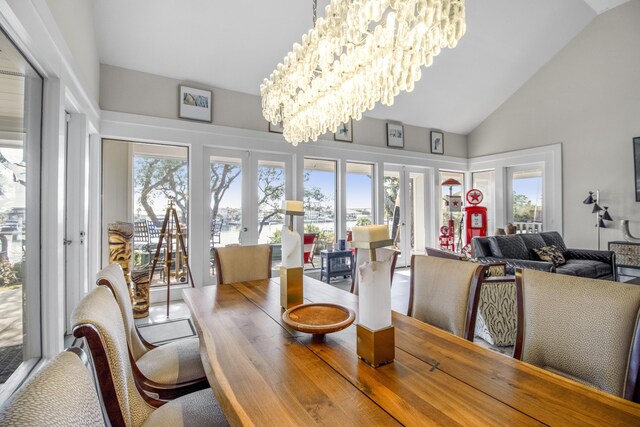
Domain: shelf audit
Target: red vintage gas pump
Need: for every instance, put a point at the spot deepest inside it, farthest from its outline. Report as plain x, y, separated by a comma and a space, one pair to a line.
475, 216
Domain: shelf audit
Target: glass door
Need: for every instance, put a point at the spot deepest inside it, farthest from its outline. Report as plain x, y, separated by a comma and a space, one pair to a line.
405, 210
245, 193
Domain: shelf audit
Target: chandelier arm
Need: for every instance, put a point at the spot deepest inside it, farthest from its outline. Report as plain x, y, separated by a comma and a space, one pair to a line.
315, 12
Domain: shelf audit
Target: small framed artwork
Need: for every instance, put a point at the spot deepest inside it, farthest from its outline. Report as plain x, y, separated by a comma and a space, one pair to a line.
276, 128
395, 135
195, 104
345, 132
437, 142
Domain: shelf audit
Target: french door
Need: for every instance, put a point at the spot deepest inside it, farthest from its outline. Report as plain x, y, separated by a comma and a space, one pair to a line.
244, 193
405, 209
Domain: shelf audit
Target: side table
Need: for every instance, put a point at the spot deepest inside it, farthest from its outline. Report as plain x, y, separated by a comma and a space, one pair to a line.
627, 259
335, 263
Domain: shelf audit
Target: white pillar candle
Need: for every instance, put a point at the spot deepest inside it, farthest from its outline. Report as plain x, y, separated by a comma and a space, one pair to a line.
292, 206
370, 233
374, 303
291, 248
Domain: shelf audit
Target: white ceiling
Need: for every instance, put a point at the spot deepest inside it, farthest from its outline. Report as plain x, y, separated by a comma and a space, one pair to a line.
235, 44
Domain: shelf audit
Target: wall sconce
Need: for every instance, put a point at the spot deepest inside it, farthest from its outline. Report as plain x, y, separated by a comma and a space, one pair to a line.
602, 213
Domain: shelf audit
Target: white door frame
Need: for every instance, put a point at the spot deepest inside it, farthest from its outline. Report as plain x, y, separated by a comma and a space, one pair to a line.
249, 160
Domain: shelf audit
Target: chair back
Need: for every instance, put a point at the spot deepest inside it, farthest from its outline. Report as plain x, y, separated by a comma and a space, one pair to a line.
309, 242
382, 254
443, 254
140, 232
97, 319
242, 263
583, 329
445, 293
113, 278
62, 393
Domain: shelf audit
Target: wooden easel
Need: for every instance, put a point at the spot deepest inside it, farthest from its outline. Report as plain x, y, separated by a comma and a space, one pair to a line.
170, 234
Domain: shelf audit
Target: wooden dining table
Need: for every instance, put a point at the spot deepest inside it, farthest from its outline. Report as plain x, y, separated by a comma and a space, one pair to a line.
264, 373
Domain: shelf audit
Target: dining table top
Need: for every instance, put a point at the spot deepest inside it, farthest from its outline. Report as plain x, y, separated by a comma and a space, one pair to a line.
262, 372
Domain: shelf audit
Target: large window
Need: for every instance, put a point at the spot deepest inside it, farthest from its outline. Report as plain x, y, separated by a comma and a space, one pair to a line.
451, 197
320, 200
359, 198
20, 117
525, 205
485, 182
140, 182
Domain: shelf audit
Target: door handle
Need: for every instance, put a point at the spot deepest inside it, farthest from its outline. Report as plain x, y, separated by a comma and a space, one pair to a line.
245, 229
67, 242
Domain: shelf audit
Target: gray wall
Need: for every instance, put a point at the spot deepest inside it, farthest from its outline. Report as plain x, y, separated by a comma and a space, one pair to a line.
587, 97
75, 21
129, 91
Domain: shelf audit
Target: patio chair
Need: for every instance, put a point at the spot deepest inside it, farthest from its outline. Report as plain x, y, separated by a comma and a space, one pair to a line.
310, 240
216, 228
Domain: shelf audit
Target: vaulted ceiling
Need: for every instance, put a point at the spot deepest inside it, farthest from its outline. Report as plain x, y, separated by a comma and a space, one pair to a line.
235, 44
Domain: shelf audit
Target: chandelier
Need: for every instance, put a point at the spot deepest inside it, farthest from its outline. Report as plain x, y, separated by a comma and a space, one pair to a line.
361, 52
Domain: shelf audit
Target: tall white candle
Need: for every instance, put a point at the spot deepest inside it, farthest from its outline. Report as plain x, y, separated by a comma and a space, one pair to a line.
374, 304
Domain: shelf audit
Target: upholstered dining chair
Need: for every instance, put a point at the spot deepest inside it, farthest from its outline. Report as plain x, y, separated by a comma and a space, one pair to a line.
445, 293
583, 329
60, 394
382, 254
443, 254
242, 263
97, 319
169, 370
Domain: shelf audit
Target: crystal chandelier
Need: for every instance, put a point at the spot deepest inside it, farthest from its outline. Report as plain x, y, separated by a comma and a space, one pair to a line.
361, 52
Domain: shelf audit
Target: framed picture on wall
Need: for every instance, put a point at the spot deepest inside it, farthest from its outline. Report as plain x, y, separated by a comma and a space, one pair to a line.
395, 135
195, 104
276, 128
437, 142
345, 132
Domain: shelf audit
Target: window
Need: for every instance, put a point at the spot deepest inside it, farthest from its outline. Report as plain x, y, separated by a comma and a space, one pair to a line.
485, 182
320, 200
359, 198
21, 100
525, 205
139, 180
451, 197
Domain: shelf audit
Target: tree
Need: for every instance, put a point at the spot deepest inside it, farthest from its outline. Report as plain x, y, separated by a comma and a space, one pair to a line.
523, 209
391, 188
221, 177
270, 193
155, 177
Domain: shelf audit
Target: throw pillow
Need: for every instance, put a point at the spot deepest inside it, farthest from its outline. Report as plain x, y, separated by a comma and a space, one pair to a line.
550, 254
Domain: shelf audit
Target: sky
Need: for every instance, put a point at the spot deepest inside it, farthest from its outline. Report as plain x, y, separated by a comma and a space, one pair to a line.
530, 187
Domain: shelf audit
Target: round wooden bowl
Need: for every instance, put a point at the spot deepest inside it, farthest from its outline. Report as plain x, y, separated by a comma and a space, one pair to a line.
319, 318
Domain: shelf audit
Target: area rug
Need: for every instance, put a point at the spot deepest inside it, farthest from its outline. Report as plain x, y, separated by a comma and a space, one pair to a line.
160, 332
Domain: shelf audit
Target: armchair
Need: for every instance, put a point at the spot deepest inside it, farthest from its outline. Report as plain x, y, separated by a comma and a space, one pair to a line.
309, 242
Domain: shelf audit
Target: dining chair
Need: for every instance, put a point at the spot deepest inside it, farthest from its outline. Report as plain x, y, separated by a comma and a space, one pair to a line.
309, 242
62, 393
97, 319
445, 293
389, 254
443, 254
169, 370
587, 330
242, 263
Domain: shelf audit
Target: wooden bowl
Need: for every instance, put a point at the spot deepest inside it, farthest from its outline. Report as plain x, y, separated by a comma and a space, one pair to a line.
319, 318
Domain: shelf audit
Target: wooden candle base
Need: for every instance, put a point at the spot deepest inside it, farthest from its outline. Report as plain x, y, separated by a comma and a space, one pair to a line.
376, 348
290, 287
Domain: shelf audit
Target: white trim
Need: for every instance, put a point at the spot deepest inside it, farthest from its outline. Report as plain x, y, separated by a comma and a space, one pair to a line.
33, 29
52, 217
550, 156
